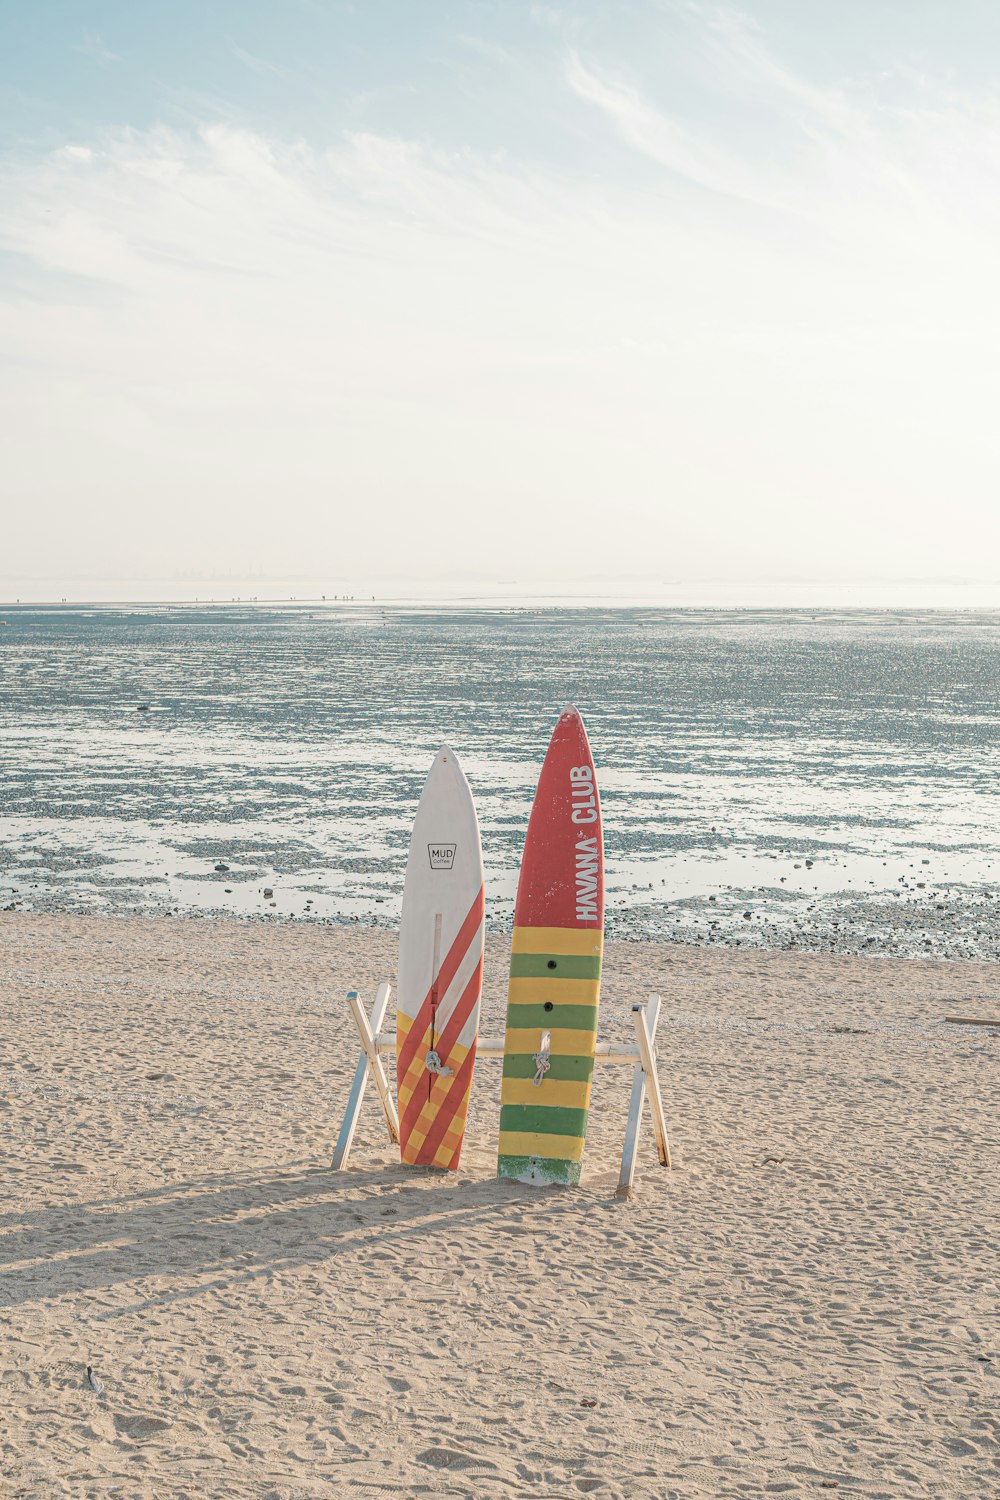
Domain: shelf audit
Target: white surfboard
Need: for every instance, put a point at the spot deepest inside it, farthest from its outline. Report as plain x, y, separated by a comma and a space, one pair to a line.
440, 969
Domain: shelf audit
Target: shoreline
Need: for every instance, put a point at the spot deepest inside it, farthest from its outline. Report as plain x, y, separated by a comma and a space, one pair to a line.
862, 927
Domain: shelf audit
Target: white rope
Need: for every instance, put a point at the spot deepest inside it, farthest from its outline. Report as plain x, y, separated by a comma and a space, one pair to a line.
435, 1065
541, 1059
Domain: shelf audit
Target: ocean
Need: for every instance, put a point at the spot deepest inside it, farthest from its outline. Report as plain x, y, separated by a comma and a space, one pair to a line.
811, 779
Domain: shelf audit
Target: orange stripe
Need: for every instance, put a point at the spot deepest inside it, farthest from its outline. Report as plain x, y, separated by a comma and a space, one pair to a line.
405, 1078
450, 1151
461, 1013
418, 1097
437, 1115
413, 1090
458, 1094
447, 971
410, 1065
425, 1102
420, 1125
407, 1047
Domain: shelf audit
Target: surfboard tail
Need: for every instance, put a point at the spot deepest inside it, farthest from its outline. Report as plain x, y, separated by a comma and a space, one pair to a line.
541, 1171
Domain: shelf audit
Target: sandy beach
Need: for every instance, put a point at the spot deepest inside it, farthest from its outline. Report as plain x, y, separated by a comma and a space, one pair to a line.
807, 1303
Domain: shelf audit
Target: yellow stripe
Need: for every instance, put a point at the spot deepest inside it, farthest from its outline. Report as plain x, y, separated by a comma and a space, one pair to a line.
551, 1147
416, 1073
585, 940
457, 1055
418, 1063
530, 991
424, 1120
570, 1092
564, 1043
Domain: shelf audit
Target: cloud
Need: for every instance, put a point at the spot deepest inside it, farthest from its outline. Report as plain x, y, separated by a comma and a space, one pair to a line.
254, 63
93, 47
674, 145
895, 154
211, 324
224, 349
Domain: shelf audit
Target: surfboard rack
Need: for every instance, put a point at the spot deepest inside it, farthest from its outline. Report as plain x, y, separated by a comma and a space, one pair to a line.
641, 1056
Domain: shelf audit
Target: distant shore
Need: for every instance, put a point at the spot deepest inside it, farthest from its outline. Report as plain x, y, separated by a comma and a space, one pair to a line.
806, 1301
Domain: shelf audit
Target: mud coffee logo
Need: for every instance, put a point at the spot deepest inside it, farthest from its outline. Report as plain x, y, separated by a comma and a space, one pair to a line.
442, 856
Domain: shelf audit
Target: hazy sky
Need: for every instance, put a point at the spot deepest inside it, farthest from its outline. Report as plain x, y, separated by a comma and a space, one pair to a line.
490, 290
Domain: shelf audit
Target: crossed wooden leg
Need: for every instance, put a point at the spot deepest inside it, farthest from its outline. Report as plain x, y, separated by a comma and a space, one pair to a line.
369, 1065
646, 1018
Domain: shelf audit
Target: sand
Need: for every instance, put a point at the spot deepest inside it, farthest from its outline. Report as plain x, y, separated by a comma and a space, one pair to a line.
806, 1303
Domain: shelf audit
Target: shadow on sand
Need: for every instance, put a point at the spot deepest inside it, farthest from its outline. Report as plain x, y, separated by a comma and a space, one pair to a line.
239, 1226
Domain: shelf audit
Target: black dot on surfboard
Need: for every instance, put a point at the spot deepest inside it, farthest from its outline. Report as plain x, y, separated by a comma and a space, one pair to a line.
547, 1005
552, 963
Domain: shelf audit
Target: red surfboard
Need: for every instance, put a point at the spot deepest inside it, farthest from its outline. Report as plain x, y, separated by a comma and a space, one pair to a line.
555, 970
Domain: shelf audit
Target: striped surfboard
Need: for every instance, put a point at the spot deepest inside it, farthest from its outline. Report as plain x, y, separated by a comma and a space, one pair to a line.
440, 970
555, 969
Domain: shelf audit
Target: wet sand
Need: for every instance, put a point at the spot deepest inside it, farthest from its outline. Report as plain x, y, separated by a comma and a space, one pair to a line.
805, 1304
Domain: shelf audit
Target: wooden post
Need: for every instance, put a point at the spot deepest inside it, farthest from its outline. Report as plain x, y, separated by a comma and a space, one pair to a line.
368, 1063
647, 1051
367, 1036
630, 1149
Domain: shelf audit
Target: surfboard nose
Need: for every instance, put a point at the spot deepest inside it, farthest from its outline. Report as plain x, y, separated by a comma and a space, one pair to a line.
570, 718
569, 726
446, 761
446, 769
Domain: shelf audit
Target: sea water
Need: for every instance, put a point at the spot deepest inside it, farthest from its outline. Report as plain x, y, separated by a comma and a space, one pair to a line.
772, 778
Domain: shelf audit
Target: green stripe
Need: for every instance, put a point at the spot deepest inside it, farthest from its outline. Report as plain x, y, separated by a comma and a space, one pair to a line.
555, 966
541, 1169
562, 1017
545, 1119
567, 1069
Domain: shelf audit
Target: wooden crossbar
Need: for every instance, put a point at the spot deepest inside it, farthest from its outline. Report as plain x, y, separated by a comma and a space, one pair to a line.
641, 1056
493, 1046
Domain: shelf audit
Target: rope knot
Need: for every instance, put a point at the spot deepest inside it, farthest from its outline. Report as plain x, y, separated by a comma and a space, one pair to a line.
541, 1058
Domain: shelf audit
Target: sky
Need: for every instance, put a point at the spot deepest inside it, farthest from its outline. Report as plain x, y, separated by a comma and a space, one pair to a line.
661, 298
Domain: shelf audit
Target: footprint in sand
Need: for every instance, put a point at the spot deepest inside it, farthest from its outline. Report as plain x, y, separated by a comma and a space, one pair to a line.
140, 1428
